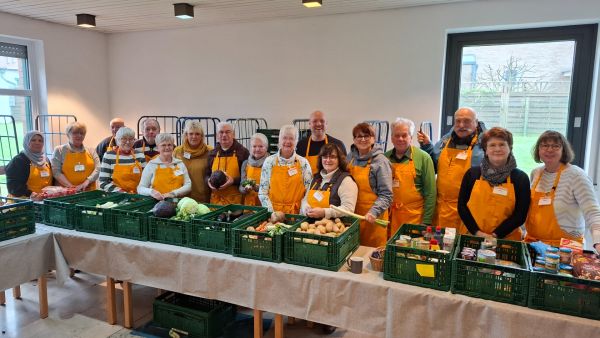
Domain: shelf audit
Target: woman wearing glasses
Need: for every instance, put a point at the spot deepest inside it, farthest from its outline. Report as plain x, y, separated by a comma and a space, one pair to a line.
122, 166
563, 202
372, 173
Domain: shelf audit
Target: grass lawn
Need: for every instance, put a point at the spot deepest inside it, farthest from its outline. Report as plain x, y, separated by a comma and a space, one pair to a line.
522, 146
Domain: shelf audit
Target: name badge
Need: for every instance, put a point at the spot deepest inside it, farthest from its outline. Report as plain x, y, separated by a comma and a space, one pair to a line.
292, 171
396, 184
545, 201
187, 155
501, 191
462, 155
136, 170
318, 196
79, 167
44, 173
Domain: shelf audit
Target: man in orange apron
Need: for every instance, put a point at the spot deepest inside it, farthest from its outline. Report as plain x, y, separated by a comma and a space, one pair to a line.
452, 156
413, 180
228, 157
310, 146
110, 142
147, 144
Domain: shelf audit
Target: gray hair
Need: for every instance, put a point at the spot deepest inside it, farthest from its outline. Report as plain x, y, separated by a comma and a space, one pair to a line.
193, 125
400, 121
220, 126
261, 137
146, 121
164, 137
73, 126
288, 129
124, 132
471, 110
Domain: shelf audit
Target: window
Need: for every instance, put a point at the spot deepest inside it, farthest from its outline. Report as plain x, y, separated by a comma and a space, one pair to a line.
527, 80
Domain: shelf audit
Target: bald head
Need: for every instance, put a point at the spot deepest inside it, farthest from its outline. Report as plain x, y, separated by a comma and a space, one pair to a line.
116, 124
465, 122
317, 125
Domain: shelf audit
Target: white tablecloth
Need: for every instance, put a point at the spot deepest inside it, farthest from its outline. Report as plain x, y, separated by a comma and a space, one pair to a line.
364, 303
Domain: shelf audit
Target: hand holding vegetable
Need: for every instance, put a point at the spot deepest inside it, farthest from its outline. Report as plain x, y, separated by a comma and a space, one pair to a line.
315, 212
156, 195
380, 222
227, 183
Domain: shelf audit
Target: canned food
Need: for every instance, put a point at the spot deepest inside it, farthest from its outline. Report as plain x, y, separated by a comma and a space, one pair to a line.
552, 263
565, 268
540, 263
551, 250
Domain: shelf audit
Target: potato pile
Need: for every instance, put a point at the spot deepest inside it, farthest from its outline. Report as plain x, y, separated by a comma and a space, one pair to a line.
325, 227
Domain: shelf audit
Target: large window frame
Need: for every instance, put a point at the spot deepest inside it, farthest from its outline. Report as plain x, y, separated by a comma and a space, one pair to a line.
582, 78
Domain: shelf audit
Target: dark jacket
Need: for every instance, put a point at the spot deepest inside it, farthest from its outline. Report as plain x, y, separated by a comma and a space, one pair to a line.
17, 174
240, 151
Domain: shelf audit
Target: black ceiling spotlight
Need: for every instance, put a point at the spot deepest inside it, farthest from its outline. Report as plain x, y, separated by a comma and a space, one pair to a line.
86, 20
312, 3
184, 11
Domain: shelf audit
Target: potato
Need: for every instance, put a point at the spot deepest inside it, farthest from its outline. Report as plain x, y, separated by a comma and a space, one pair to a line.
337, 220
312, 226
277, 216
342, 227
299, 230
304, 226
335, 228
311, 230
250, 228
329, 227
322, 229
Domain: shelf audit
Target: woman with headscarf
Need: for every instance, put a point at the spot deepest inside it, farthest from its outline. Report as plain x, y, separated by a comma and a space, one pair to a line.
194, 154
29, 172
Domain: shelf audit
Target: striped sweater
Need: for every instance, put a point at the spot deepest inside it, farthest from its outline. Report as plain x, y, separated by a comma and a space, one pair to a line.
108, 164
575, 203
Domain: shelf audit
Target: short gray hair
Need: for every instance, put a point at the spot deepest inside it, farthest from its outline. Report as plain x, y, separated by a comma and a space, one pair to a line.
288, 129
148, 120
220, 126
124, 132
400, 121
164, 137
193, 125
261, 137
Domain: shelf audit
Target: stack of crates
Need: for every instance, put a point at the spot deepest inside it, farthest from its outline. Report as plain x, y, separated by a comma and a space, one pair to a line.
273, 137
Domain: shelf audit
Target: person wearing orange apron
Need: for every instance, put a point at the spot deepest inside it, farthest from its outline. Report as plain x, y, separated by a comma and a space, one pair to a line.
122, 167
110, 143
310, 146
194, 154
227, 157
372, 173
29, 172
165, 176
285, 176
453, 155
413, 180
494, 198
251, 169
147, 144
73, 165
563, 198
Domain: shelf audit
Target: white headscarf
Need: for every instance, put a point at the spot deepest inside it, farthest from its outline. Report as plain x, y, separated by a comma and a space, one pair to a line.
38, 159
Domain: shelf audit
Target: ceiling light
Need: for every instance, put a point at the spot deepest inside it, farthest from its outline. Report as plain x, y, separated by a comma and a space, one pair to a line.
312, 3
86, 20
184, 11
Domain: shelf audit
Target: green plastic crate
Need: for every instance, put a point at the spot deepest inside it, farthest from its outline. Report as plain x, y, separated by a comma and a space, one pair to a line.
90, 218
562, 294
197, 317
259, 245
409, 265
131, 221
492, 281
17, 218
59, 211
321, 252
171, 231
208, 233
38, 207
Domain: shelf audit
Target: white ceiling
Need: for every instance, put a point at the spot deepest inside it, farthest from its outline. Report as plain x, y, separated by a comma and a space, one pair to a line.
114, 16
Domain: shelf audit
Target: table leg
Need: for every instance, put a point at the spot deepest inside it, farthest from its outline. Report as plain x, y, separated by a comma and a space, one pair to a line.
291, 320
278, 326
43, 298
111, 305
258, 323
310, 324
2, 298
17, 292
127, 303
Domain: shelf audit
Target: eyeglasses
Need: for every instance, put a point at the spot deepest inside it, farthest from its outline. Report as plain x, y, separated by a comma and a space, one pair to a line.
362, 137
329, 157
553, 146
127, 140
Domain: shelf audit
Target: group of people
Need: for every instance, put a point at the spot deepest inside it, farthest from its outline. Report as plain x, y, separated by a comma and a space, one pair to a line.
468, 180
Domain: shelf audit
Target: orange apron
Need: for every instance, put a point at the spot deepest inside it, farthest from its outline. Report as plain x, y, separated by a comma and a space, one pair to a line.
127, 176
77, 167
39, 177
490, 206
319, 198
109, 147
167, 179
148, 158
313, 160
287, 187
541, 224
231, 194
452, 166
408, 203
252, 173
370, 234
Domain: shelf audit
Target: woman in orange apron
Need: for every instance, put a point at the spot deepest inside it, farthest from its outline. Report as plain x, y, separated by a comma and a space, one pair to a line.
29, 172
251, 169
165, 176
73, 165
494, 198
372, 173
122, 167
563, 201
285, 176
194, 154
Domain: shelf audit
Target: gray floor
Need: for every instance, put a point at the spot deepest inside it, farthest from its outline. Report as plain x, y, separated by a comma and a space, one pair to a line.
77, 309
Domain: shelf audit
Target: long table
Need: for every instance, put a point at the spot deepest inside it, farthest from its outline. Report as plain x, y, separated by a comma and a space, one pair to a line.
363, 303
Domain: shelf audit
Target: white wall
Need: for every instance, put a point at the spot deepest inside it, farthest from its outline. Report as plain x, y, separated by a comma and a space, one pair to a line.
76, 64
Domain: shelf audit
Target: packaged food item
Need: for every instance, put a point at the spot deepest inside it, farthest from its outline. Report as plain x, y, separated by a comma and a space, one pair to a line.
540, 263
586, 266
448, 239
468, 253
552, 263
565, 255
486, 256
575, 246
551, 250
565, 269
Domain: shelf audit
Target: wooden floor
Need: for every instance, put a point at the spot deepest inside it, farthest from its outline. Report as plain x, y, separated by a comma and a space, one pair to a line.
77, 309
